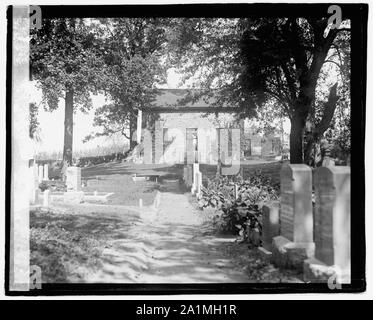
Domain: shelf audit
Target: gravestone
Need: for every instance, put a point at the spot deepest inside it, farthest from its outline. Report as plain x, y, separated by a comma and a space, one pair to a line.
295, 243
74, 195
266, 146
194, 183
198, 183
233, 162
46, 173
41, 174
327, 162
332, 225
296, 203
256, 146
46, 198
74, 179
270, 227
270, 223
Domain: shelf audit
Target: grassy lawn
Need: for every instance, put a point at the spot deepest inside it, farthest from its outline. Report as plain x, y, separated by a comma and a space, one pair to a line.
117, 178
68, 246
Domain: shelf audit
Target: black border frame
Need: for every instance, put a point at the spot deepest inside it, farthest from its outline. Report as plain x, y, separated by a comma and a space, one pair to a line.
358, 13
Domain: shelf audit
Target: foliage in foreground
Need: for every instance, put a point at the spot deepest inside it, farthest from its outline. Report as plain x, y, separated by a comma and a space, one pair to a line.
238, 204
63, 255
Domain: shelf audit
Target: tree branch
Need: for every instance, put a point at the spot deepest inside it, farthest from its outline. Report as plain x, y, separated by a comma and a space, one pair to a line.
290, 81
329, 108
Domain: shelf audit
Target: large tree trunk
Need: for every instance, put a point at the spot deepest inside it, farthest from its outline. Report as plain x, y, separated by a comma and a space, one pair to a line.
296, 139
68, 136
312, 152
133, 127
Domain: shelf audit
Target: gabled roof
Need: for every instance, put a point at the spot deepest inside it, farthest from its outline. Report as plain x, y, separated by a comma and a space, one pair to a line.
170, 100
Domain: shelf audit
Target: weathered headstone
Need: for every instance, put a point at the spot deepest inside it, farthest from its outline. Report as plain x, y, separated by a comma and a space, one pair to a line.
195, 170
332, 225
296, 203
256, 145
328, 162
74, 179
46, 198
234, 161
195, 167
295, 244
270, 223
36, 174
270, 227
266, 146
74, 195
46, 173
198, 183
41, 174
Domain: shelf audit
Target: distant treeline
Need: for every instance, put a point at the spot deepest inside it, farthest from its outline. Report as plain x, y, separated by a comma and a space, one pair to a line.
89, 161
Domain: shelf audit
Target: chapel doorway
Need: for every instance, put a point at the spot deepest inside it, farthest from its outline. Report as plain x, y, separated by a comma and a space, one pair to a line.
191, 145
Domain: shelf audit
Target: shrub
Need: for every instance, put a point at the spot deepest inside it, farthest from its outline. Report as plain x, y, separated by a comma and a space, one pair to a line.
88, 161
53, 185
238, 204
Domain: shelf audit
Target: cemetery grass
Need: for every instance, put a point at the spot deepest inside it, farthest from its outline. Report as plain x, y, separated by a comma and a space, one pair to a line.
116, 178
68, 245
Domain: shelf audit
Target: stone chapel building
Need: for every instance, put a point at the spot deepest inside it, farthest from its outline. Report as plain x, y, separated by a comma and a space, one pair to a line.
194, 132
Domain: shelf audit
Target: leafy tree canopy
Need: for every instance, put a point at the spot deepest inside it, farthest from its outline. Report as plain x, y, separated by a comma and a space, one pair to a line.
64, 57
253, 60
133, 52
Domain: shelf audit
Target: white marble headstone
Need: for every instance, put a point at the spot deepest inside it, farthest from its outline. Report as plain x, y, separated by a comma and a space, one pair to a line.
73, 179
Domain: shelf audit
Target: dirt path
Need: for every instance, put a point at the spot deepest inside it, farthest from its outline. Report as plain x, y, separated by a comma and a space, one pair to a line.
168, 245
